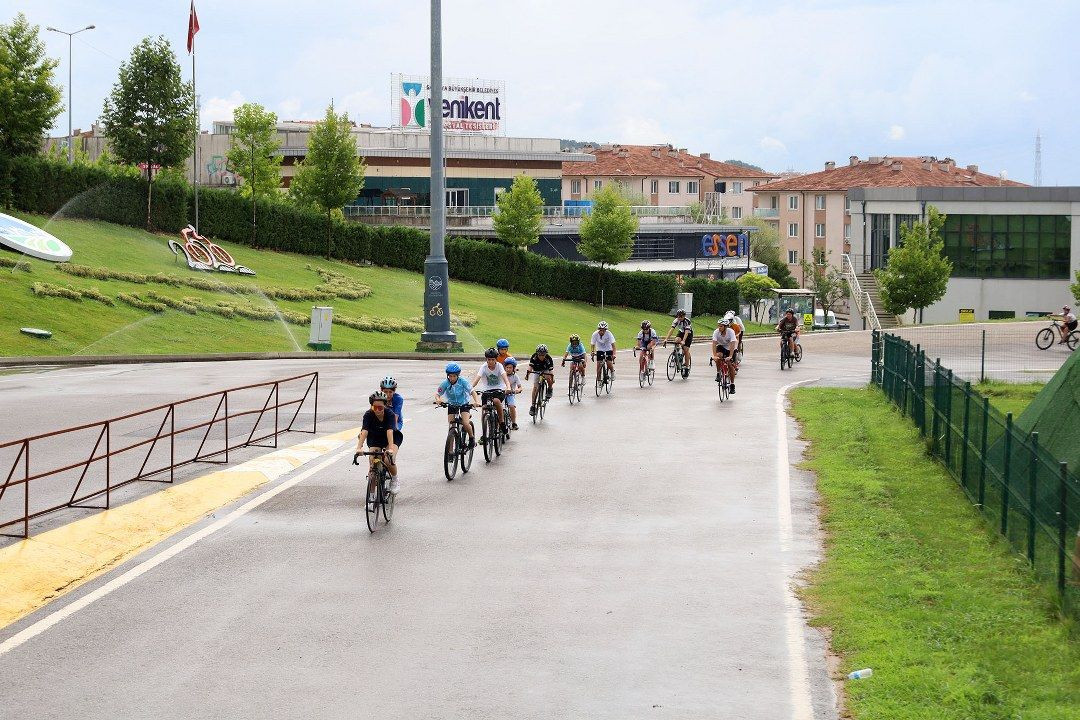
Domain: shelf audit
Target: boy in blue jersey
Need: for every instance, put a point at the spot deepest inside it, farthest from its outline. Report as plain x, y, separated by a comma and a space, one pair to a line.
576, 352
459, 397
397, 404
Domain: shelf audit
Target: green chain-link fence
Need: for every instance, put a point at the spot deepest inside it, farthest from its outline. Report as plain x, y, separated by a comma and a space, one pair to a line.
1033, 499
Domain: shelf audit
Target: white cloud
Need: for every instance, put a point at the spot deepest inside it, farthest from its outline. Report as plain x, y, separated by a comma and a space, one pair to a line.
1027, 96
289, 109
897, 132
640, 131
220, 108
771, 144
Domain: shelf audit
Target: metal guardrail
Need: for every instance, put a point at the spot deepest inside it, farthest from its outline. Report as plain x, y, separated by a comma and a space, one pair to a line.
862, 299
767, 212
119, 462
548, 211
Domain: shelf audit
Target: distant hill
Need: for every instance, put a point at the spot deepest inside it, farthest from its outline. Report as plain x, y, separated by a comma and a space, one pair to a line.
749, 166
576, 145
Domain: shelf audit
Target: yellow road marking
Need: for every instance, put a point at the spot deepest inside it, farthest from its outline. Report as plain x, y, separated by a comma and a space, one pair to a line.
46, 566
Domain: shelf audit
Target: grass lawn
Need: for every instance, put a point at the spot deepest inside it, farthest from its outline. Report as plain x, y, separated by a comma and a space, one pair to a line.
917, 587
88, 327
1009, 397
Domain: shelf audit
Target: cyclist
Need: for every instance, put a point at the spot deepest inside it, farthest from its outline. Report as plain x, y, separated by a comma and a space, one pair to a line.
1068, 319
515, 389
684, 335
491, 382
378, 430
541, 364
576, 352
396, 403
724, 344
602, 344
646, 341
788, 327
459, 396
503, 346
736, 325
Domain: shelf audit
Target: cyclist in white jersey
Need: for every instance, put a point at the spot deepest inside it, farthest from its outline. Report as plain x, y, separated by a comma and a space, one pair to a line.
491, 381
724, 344
602, 344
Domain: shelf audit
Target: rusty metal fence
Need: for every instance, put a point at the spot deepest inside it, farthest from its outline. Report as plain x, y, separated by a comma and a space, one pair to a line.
53, 471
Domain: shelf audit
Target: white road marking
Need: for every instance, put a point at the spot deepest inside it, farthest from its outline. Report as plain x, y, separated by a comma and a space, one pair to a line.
802, 707
149, 564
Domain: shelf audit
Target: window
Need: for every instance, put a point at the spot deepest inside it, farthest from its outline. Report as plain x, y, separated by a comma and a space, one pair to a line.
847, 231
819, 230
654, 186
792, 257
793, 202
736, 213
575, 187
819, 202
774, 202
691, 186
793, 229
653, 249
1009, 246
736, 188
597, 184
756, 183
847, 204
673, 186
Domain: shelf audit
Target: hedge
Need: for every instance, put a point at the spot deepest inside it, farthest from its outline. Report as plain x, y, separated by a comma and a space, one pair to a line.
712, 297
47, 187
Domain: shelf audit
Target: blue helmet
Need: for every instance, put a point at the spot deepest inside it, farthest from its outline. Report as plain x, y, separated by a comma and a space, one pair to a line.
453, 369
510, 361
502, 343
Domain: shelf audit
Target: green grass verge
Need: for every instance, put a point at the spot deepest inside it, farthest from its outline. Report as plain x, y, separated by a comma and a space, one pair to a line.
1009, 397
89, 327
917, 587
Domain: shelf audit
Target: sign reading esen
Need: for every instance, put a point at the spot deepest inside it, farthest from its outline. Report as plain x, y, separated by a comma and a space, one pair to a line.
468, 106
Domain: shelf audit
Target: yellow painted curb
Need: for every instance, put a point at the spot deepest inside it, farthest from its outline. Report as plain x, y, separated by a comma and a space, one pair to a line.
46, 566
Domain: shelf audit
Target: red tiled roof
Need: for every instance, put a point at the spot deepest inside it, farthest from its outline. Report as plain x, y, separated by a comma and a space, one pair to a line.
655, 161
882, 172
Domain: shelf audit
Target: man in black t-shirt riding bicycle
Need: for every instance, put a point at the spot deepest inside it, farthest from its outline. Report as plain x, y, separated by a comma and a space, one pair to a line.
789, 328
378, 430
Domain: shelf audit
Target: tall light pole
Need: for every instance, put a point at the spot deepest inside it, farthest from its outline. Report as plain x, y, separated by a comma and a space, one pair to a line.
70, 35
437, 333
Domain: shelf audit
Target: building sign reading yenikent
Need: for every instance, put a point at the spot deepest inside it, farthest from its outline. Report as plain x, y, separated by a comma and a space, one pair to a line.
468, 106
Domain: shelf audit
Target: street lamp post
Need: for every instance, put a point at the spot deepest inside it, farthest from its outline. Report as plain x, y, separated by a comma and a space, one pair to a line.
437, 334
70, 35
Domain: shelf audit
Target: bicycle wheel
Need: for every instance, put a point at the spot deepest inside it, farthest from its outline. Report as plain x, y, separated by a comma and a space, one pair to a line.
450, 455
608, 380
600, 384
783, 354
1073, 340
1044, 338
466, 450
372, 500
651, 372
798, 352
496, 440
485, 437
387, 500
672, 366
641, 377
571, 386
579, 386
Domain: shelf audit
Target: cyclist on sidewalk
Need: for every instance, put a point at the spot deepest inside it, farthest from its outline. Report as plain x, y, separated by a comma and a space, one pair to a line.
541, 364
515, 389
602, 344
378, 431
788, 327
1068, 319
684, 335
724, 344
397, 404
458, 395
503, 346
491, 382
646, 341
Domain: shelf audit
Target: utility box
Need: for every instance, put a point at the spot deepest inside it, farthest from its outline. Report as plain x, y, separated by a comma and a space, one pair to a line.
322, 318
685, 301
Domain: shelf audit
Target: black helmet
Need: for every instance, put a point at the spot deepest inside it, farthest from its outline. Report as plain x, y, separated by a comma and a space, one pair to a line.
491, 353
377, 395
790, 310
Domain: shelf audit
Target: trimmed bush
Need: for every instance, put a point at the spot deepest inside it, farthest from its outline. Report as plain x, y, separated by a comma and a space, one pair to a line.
137, 302
14, 264
712, 297
70, 293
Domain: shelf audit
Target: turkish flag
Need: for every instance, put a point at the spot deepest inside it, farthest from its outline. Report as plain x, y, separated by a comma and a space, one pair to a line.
192, 28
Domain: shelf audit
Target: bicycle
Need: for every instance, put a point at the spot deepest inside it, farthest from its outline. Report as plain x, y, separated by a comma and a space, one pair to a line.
1049, 334
576, 382
458, 451
605, 378
675, 363
491, 438
377, 495
646, 375
723, 380
786, 355
541, 396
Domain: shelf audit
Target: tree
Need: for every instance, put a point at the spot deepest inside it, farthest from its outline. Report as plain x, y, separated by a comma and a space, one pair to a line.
918, 271
331, 174
148, 117
254, 144
825, 281
754, 289
29, 100
607, 232
1075, 287
765, 249
520, 215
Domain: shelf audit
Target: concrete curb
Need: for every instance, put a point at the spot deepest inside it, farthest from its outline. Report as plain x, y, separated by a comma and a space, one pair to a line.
31, 360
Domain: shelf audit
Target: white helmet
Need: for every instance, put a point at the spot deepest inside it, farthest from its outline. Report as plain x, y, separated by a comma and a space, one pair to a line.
729, 315
602, 325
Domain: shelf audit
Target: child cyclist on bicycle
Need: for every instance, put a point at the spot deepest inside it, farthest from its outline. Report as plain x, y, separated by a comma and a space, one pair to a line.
541, 365
646, 341
515, 389
458, 396
378, 430
576, 352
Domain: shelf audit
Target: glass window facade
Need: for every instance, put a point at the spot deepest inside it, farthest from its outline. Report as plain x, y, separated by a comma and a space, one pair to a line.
1009, 246
381, 190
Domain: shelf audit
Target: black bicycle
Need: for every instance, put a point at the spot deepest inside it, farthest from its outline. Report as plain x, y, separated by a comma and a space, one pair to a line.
605, 377
377, 496
676, 363
491, 437
1051, 334
786, 355
540, 406
458, 451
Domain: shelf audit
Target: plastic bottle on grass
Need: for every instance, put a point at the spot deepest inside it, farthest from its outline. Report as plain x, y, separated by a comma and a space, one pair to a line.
860, 674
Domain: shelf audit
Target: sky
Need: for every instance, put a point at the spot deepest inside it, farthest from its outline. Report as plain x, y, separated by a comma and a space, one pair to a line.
784, 85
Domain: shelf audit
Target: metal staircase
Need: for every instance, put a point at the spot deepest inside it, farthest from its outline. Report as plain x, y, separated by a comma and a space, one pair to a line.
864, 289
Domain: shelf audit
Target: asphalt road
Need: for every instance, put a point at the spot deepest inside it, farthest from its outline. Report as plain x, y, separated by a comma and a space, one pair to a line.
630, 557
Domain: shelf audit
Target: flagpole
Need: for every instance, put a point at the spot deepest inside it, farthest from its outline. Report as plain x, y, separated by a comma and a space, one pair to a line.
195, 148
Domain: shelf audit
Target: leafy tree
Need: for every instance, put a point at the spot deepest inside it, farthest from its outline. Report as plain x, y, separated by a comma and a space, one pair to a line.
607, 232
754, 289
520, 213
331, 174
148, 117
825, 281
765, 249
918, 271
29, 100
254, 144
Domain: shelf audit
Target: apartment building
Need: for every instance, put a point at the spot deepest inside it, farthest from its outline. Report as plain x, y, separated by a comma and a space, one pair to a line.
813, 211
